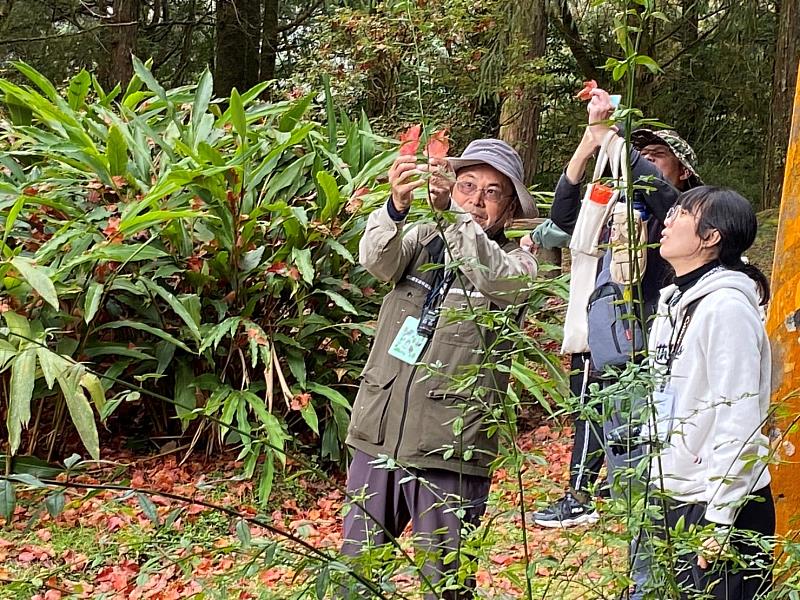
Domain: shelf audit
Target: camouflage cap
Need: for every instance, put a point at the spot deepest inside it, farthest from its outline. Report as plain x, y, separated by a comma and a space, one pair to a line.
670, 138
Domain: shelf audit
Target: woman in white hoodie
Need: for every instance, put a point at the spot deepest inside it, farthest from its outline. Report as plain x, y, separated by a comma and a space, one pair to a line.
711, 362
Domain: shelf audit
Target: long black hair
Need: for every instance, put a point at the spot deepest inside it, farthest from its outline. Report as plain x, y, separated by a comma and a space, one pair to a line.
732, 215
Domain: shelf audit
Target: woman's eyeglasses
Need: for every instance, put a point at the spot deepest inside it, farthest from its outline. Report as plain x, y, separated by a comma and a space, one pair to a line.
674, 212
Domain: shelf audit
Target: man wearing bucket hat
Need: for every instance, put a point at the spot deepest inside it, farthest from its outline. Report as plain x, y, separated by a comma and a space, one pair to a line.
664, 163
423, 444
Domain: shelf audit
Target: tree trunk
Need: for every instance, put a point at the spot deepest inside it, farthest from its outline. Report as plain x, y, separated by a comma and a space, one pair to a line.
269, 39
238, 29
519, 116
787, 56
585, 55
123, 45
688, 114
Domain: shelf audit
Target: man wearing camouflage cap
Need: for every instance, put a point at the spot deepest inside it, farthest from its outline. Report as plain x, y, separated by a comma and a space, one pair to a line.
664, 164
657, 146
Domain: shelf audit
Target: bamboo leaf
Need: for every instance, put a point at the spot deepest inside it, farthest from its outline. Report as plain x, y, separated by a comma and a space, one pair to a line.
13, 213
243, 532
148, 508
147, 78
37, 278
202, 96
8, 500
341, 301
98, 394
302, 258
238, 119
78, 88
23, 376
81, 412
329, 393
310, 417
330, 191
175, 305
149, 329
54, 503
92, 301
116, 152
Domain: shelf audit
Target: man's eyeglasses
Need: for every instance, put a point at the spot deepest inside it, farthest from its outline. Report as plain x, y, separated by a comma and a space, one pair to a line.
491, 194
675, 211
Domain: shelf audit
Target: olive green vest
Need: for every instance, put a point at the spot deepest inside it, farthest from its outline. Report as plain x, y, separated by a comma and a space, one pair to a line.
419, 415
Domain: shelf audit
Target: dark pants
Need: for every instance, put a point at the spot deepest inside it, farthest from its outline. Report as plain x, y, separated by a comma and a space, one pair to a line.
431, 499
748, 578
587, 450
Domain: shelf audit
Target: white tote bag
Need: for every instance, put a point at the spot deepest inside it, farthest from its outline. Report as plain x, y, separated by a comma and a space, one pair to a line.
596, 209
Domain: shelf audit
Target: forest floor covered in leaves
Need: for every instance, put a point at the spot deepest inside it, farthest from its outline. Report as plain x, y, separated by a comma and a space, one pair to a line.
115, 544
112, 544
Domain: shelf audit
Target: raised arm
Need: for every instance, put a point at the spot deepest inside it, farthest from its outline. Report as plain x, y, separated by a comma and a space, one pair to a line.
499, 275
383, 250
567, 199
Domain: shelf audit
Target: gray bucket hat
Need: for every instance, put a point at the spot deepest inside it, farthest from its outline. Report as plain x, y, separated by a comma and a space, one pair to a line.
501, 156
679, 147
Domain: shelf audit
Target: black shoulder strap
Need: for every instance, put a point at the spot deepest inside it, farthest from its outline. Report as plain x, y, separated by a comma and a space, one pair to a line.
687, 318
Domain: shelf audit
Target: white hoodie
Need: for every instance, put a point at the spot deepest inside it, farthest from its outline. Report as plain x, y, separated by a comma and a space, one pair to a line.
721, 384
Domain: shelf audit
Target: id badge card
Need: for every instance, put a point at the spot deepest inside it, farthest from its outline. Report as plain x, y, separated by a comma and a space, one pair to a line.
408, 344
664, 404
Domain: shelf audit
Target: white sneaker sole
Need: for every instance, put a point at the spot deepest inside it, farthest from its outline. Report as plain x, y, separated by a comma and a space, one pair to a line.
584, 519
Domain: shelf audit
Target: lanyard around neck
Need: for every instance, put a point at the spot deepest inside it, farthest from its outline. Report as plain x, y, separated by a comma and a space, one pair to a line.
675, 346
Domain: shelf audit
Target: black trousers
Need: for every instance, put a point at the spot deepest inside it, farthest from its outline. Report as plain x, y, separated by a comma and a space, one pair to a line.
587, 451
747, 579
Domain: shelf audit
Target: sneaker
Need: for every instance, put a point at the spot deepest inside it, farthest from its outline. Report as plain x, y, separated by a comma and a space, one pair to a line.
567, 512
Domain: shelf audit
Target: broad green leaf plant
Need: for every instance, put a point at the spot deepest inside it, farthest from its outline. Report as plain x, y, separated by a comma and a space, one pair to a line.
164, 246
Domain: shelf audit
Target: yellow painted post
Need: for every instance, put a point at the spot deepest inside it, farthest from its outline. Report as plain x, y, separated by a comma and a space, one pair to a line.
783, 327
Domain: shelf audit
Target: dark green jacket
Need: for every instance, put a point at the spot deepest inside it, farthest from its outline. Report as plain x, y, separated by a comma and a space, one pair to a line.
413, 413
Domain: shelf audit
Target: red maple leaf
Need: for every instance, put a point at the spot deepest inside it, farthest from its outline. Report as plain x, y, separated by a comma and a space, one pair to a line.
410, 139
438, 145
586, 92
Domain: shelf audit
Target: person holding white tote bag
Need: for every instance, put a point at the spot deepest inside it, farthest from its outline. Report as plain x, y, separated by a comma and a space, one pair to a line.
665, 162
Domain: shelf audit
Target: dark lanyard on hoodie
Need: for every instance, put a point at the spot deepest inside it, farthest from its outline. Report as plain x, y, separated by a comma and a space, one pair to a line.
673, 348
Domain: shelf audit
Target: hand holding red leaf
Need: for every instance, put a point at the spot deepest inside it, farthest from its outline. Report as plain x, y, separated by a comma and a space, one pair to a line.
410, 139
586, 93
